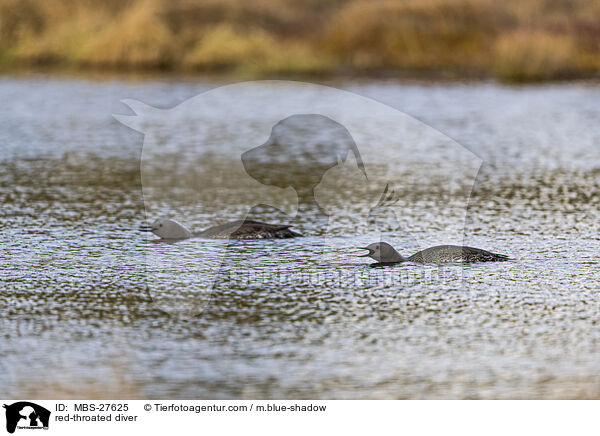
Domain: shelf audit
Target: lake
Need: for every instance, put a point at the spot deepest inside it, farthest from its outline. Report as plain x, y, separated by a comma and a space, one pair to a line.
89, 308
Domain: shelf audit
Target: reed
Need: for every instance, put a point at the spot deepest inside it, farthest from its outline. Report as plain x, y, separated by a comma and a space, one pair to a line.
513, 40
533, 56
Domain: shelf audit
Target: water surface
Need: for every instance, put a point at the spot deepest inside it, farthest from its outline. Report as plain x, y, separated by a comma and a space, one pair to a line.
301, 318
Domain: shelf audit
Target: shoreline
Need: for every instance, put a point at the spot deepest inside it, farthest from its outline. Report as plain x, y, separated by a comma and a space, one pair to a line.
435, 40
181, 75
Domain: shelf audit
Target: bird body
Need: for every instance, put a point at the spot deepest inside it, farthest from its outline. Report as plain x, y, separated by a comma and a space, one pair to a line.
248, 229
455, 253
383, 252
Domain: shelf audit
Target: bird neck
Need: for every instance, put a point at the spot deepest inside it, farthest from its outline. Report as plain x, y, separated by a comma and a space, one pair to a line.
396, 257
391, 256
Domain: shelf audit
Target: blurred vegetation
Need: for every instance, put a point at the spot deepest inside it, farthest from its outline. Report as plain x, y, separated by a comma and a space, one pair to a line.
512, 40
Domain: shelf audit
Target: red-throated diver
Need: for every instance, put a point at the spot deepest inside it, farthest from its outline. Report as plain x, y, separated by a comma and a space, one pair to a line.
383, 252
243, 229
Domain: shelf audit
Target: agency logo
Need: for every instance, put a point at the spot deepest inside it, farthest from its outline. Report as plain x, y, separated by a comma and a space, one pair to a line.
340, 168
24, 415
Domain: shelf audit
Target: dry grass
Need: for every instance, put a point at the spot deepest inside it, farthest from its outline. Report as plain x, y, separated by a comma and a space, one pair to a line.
253, 50
514, 40
415, 34
531, 56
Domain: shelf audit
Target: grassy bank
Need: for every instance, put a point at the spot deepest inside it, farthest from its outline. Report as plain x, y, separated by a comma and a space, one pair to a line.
513, 40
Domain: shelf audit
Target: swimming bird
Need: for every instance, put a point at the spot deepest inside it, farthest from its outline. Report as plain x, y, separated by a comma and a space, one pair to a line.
244, 229
383, 252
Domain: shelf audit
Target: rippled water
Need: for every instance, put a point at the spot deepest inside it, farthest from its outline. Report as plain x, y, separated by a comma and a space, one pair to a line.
301, 318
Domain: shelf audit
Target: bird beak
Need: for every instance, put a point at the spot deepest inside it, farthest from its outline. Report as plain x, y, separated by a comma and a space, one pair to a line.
146, 228
368, 254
